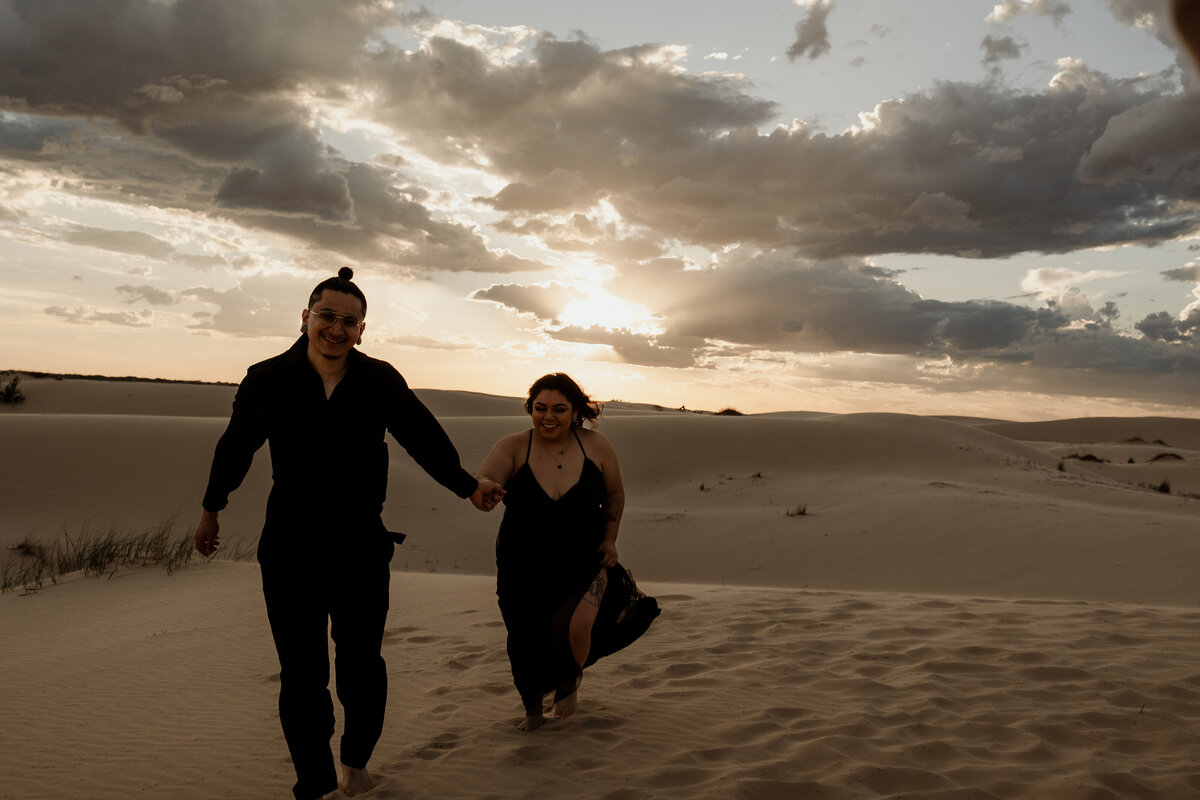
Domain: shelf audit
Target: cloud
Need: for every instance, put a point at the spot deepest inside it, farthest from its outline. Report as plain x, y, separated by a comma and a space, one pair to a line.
959, 169
770, 306
1000, 48
1087, 162
147, 294
1189, 273
128, 242
88, 315
219, 97
558, 190
1161, 326
225, 112
1006, 10
812, 35
632, 348
260, 305
571, 106
1060, 289
430, 343
544, 301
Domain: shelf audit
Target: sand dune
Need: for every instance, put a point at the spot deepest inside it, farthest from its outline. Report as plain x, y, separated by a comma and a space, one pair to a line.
868, 605
892, 502
164, 687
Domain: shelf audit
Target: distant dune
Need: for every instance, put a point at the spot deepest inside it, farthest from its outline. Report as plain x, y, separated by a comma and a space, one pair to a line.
859, 605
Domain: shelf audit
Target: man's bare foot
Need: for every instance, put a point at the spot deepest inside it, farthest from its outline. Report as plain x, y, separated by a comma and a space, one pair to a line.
531, 723
566, 707
355, 781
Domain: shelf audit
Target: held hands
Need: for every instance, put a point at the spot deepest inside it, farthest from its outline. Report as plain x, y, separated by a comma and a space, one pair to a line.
487, 495
208, 537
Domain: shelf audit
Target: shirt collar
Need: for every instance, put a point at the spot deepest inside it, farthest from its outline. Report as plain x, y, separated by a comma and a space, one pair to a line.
297, 355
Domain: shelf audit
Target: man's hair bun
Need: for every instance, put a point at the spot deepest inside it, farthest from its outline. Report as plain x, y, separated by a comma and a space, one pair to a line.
345, 273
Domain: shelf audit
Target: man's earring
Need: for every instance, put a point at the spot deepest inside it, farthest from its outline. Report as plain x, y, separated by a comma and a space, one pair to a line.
304, 329
359, 340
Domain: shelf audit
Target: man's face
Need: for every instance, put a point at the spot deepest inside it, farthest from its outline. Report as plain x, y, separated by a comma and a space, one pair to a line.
333, 339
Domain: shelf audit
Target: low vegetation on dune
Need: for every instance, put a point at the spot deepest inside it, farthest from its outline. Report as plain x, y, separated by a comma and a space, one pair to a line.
31, 564
11, 394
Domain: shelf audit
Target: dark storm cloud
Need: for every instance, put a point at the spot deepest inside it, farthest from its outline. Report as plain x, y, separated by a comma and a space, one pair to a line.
571, 106
1162, 327
770, 303
812, 34
210, 91
974, 170
1000, 48
634, 348
544, 302
777, 303
125, 59
207, 106
960, 169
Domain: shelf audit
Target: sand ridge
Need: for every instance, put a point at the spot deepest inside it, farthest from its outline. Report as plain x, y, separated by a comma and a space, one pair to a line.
855, 606
735, 692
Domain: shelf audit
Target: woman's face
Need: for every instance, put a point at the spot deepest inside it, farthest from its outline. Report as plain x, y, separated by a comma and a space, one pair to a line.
551, 414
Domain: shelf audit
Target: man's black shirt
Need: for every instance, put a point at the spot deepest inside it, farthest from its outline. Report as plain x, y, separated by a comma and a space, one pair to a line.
329, 459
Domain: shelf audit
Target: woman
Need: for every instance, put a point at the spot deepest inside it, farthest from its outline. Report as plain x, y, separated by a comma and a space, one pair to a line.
565, 600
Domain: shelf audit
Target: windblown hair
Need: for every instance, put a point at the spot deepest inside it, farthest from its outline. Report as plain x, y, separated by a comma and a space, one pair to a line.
583, 408
342, 283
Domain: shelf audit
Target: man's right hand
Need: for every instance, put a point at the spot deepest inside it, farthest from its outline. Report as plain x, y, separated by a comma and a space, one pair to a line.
487, 495
208, 537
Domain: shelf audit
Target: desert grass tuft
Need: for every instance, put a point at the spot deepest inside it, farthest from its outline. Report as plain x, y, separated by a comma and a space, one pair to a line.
33, 564
11, 394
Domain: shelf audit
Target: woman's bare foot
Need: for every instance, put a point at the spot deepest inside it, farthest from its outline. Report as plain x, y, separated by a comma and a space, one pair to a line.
531, 722
355, 781
566, 707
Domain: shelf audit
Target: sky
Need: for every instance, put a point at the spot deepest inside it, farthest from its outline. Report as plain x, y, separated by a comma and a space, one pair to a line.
931, 207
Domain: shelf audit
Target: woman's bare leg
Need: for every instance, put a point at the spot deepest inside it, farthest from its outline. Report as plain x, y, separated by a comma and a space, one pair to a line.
580, 636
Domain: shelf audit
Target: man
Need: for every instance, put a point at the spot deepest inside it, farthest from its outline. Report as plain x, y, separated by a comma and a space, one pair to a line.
324, 408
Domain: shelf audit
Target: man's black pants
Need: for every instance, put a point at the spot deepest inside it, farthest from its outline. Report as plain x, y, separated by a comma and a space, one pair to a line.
350, 602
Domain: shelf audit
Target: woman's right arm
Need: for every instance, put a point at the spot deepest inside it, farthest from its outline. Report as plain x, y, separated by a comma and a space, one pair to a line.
498, 466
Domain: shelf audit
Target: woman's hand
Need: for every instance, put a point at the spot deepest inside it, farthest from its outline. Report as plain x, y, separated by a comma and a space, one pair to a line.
608, 553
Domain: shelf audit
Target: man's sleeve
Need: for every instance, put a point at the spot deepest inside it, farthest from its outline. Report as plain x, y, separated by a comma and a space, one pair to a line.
235, 449
418, 431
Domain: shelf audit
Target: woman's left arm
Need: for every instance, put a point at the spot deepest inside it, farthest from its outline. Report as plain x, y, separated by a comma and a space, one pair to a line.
614, 500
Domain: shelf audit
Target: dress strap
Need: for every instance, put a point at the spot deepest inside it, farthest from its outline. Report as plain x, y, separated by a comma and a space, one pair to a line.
529, 447
576, 435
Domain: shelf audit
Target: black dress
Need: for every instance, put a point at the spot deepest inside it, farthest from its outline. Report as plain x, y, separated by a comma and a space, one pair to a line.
547, 555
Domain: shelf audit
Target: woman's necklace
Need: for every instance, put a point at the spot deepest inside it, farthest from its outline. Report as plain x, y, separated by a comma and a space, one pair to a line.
562, 455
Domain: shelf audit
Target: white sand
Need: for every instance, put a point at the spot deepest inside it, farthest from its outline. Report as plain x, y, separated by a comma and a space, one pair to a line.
952, 617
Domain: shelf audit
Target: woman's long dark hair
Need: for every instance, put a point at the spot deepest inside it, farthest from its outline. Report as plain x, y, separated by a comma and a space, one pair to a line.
583, 408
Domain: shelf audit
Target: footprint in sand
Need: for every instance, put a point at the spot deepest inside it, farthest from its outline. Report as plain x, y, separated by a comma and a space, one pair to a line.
441, 744
685, 670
